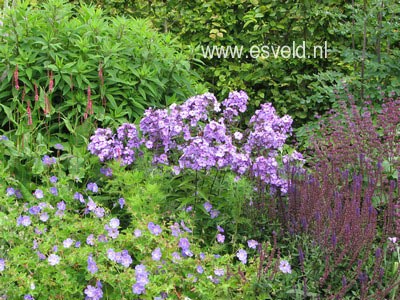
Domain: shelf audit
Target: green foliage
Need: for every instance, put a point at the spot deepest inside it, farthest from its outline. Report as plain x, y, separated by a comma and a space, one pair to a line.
61, 65
300, 87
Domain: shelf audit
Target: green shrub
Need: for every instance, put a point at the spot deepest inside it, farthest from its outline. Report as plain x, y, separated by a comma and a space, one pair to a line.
300, 87
61, 65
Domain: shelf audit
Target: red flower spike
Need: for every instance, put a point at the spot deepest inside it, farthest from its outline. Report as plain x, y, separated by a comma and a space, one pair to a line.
16, 78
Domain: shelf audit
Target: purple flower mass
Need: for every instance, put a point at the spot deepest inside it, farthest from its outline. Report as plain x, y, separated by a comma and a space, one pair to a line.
200, 134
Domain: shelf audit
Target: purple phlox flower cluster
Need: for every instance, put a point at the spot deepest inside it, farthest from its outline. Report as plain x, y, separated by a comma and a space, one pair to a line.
122, 257
295, 156
106, 171
220, 229
127, 143
198, 155
185, 247
24, 221
159, 128
266, 169
53, 259
112, 228
200, 141
235, 103
28, 297
200, 269
142, 279
121, 146
242, 255
156, 254
154, 228
252, 244
92, 186
284, 266
197, 108
48, 161
92, 266
102, 144
94, 292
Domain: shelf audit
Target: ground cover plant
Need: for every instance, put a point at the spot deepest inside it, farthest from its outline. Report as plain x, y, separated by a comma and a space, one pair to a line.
186, 196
